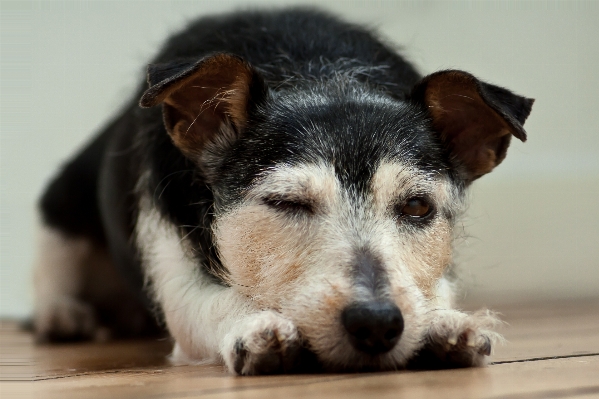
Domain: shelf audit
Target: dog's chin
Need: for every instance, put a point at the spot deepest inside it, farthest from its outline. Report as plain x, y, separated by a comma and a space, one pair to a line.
364, 363
355, 361
340, 356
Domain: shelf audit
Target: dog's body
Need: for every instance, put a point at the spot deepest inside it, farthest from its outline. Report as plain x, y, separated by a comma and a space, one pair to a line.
291, 204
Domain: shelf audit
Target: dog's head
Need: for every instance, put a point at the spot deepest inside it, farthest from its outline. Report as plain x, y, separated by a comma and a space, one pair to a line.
335, 201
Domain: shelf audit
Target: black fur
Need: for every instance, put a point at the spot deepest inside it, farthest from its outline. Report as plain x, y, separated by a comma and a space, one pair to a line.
329, 90
70, 200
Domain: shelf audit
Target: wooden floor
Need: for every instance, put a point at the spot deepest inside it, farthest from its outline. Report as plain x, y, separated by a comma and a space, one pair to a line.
552, 352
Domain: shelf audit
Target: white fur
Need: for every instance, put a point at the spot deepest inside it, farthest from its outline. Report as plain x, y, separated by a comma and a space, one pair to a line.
445, 294
59, 267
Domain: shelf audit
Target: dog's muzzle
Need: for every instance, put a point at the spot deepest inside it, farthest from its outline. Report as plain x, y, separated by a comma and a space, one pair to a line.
373, 327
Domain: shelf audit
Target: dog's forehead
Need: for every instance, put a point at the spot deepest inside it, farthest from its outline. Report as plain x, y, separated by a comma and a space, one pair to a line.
355, 133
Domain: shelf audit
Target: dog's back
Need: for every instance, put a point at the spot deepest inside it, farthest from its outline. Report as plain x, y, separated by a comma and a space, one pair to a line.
293, 45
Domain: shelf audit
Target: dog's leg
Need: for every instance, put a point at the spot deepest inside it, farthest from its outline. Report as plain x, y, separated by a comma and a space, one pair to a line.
79, 295
210, 322
59, 280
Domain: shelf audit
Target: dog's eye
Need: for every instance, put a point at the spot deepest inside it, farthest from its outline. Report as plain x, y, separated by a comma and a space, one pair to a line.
417, 208
289, 206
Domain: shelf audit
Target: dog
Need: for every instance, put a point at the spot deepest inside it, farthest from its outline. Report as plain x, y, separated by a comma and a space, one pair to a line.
282, 195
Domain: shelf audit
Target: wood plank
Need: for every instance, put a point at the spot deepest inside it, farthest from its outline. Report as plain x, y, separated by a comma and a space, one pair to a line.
532, 331
138, 369
549, 329
23, 360
542, 379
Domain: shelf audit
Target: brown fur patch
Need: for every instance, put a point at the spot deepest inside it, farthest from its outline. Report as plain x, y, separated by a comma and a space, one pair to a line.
430, 255
260, 252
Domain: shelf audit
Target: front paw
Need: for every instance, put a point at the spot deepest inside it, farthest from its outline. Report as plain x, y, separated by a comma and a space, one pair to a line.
457, 339
265, 343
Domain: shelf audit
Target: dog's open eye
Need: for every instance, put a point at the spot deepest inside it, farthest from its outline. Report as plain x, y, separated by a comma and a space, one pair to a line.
289, 206
415, 208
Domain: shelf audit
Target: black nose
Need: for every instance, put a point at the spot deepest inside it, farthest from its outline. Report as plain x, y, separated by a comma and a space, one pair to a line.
373, 327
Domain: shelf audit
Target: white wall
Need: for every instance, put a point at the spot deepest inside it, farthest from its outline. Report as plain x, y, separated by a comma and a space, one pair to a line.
533, 226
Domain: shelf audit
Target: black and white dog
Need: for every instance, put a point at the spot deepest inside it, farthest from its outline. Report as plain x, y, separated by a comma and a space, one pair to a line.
285, 196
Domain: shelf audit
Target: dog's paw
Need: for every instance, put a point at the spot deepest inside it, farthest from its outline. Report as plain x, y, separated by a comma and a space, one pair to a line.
457, 339
263, 344
66, 319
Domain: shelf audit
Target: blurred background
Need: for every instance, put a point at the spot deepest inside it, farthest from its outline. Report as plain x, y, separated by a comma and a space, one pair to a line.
532, 230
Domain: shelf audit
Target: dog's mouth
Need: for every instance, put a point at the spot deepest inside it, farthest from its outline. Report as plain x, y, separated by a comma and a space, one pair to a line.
308, 362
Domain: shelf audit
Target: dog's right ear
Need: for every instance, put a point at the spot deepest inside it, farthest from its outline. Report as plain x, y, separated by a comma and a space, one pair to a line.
207, 101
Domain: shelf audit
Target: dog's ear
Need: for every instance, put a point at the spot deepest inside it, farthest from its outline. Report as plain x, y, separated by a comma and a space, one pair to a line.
207, 101
475, 120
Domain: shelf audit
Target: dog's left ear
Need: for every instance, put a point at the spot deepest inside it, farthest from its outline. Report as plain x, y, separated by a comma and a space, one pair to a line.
204, 101
475, 120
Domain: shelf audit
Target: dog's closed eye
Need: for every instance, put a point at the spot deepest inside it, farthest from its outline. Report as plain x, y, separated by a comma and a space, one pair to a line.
290, 205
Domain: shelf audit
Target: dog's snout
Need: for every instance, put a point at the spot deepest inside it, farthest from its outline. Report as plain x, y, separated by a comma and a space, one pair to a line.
373, 327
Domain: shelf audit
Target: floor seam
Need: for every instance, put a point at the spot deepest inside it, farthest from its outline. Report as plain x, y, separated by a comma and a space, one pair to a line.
553, 393
537, 359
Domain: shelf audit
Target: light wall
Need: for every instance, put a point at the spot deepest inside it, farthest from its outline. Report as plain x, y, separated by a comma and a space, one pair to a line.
532, 231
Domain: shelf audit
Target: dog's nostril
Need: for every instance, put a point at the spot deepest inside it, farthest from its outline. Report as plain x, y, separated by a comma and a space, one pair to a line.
373, 327
362, 333
392, 334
